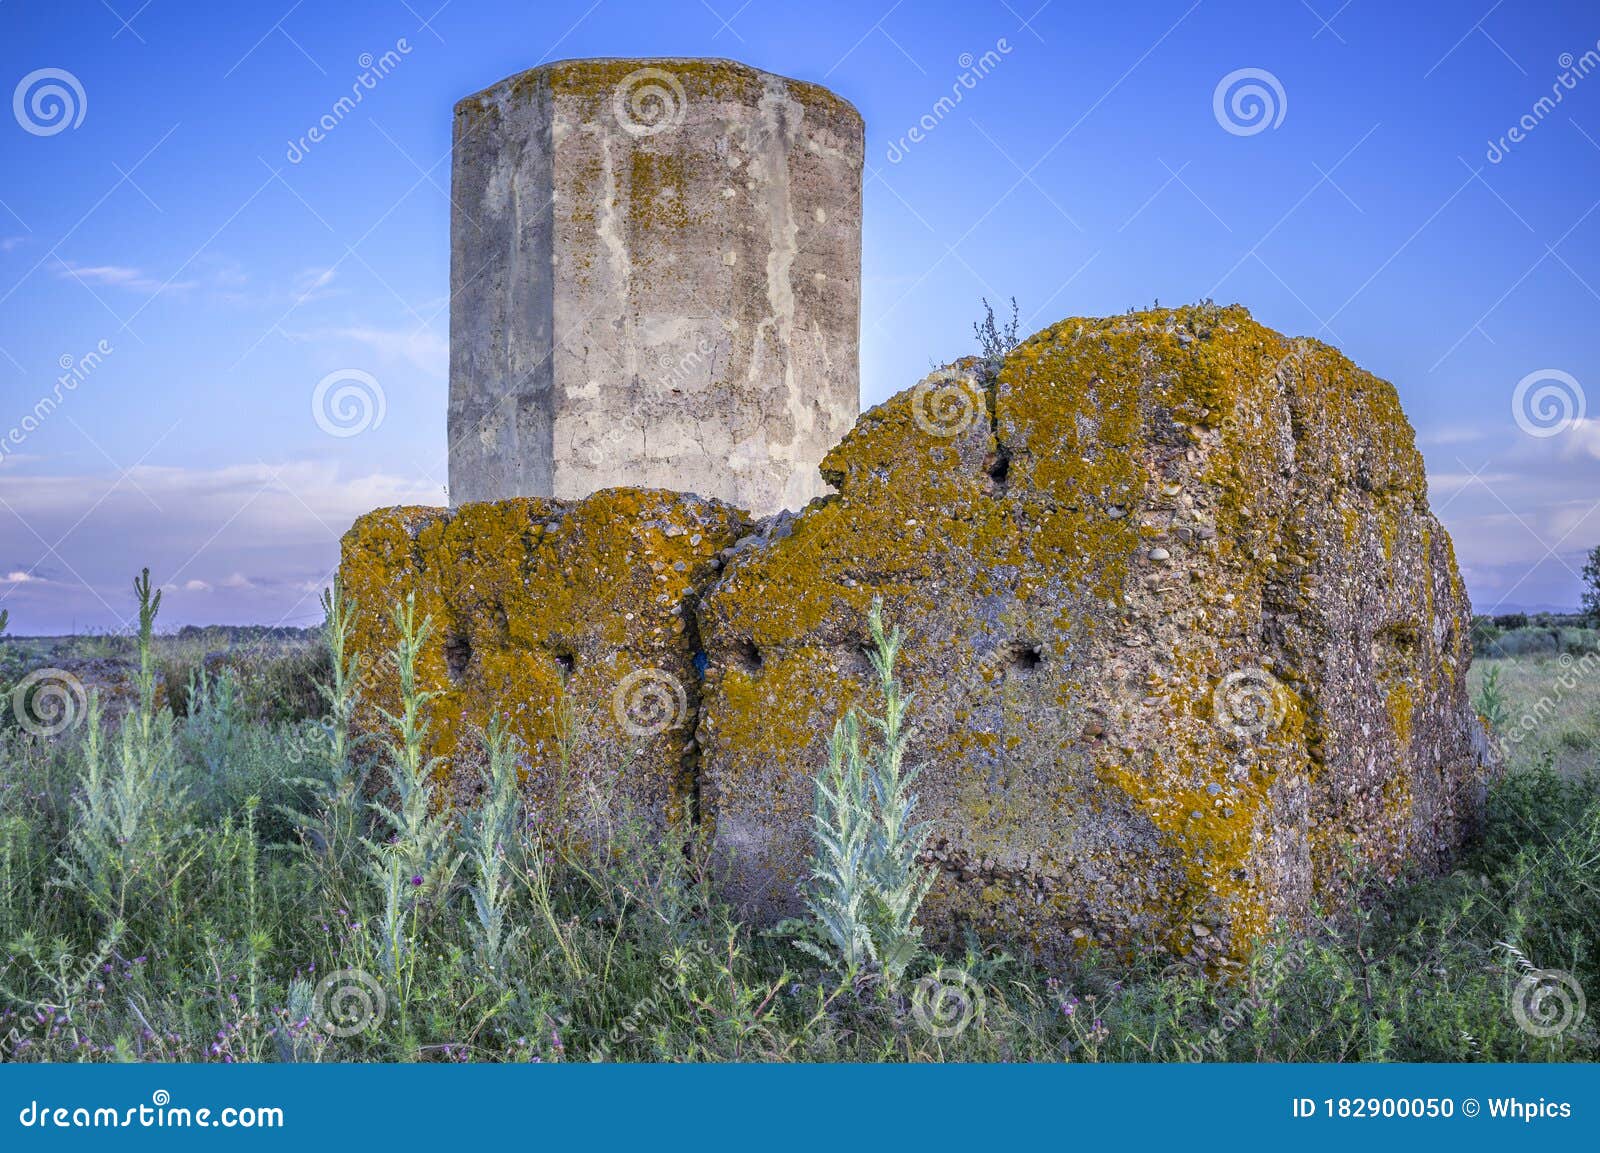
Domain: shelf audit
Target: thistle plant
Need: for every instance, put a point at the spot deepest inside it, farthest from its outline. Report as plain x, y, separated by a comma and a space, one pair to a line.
19, 858
343, 693
418, 863
841, 836
295, 1041
899, 883
330, 834
215, 720
1491, 702
93, 857
492, 834
62, 976
149, 606
128, 816
867, 885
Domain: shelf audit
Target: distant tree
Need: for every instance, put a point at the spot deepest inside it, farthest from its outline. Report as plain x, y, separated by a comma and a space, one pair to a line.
1591, 586
1509, 621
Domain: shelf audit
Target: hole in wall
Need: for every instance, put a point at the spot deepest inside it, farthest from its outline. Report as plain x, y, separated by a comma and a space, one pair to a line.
457, 654
1403, 637
749, 654
998, 467
1023, 658
566, 661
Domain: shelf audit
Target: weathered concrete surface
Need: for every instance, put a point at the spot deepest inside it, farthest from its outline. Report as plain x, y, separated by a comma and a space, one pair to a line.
655, 281
1182, 629
574, 620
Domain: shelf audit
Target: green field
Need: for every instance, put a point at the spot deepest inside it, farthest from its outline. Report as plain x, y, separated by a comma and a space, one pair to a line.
200, 873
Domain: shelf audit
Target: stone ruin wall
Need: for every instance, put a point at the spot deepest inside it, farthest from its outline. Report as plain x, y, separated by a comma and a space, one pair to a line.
1185, 636
1185, 639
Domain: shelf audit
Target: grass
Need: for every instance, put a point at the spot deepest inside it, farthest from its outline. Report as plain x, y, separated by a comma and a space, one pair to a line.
211, 865
1550, 715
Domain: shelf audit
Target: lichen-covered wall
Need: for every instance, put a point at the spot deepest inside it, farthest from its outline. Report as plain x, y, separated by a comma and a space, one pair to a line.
573, 620
1182, 632
655, 282
1185, 639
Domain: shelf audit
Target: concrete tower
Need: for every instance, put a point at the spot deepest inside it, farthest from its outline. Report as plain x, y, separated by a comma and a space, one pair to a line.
655, 280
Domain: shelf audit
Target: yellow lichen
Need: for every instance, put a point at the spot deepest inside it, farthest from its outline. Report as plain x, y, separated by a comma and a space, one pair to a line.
539, 605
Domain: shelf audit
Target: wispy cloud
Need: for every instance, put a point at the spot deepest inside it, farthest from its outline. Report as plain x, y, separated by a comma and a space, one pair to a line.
214, 559
1450, 434
1582, 440
117, 276
422, 348
309, 285
231, 285
1523, 512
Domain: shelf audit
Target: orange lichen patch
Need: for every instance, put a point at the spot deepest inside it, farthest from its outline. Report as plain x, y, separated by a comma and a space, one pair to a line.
537, 606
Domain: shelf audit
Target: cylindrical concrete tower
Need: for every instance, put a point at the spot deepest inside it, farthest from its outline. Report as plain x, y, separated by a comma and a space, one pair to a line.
655, 280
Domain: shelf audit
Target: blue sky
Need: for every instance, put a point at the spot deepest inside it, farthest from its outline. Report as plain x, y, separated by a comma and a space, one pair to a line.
195, 284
